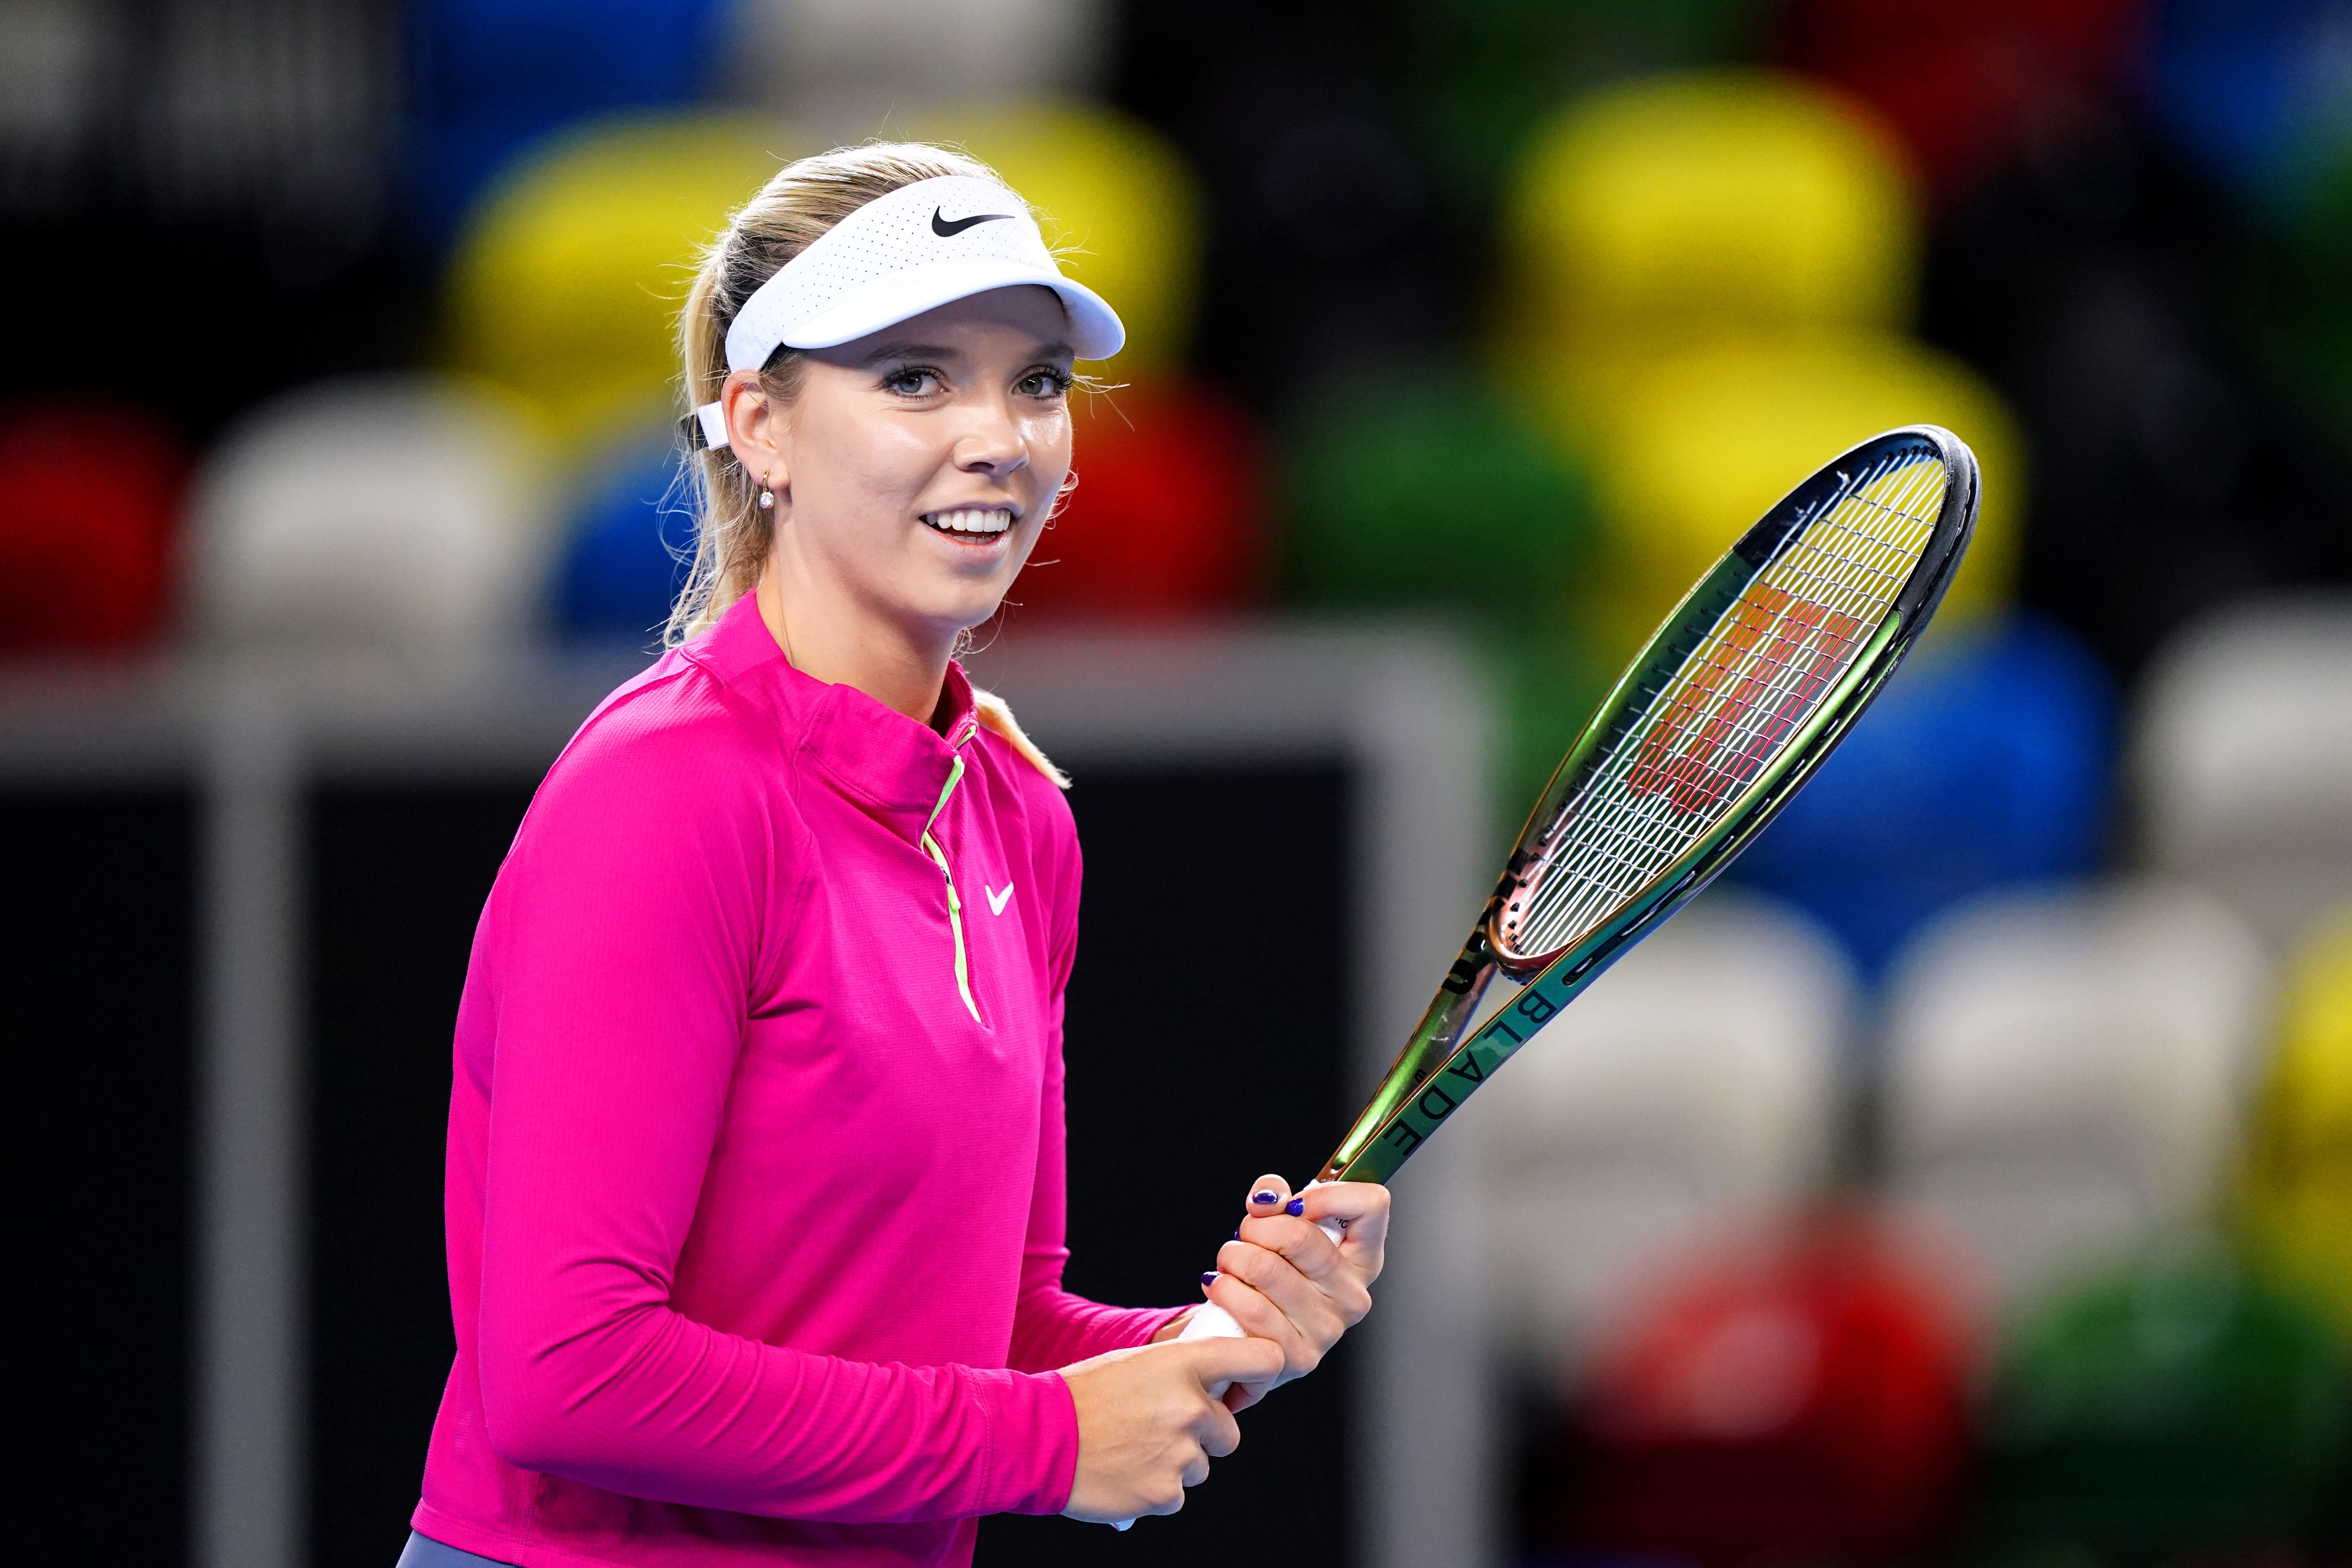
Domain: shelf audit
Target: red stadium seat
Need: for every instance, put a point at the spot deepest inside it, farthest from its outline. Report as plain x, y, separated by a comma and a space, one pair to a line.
1802, 1402
1964, 80
1168, 517
87, 492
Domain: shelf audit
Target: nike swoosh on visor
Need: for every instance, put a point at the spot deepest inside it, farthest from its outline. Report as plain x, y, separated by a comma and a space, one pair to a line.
947, 231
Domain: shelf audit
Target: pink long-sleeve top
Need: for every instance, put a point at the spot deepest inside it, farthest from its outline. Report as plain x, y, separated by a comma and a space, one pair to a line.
755, 1164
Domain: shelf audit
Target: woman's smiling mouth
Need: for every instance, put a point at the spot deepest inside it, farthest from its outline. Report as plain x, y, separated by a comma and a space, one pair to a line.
972, 524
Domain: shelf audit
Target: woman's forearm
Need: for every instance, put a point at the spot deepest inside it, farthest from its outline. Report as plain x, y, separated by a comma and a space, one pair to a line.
1055, 1329
649, 1403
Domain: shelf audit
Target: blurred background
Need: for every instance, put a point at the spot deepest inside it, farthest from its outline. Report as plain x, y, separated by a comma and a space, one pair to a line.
1967, 1181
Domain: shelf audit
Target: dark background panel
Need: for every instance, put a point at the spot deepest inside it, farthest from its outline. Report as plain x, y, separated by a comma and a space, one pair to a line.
1176, 1103
97, 992
1202, 1053
398, 878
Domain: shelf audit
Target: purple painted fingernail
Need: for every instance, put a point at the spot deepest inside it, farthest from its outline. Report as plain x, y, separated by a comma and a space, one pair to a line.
1238, 1232
1296, 1205
1210, 1277
1268, 1197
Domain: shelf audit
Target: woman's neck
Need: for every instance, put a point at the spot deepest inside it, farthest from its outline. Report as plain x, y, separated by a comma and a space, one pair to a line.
828, 635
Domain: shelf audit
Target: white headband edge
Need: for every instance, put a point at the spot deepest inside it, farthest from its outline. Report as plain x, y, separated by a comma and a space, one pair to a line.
713, 419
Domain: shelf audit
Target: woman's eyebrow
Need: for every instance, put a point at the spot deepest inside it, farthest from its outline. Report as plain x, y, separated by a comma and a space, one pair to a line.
912, 350
1054, 350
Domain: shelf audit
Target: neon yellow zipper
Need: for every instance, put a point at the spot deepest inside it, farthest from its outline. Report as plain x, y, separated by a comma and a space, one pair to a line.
955, 905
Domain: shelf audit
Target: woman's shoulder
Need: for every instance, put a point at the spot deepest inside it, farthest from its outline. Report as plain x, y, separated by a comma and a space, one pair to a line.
671, 803
673, 741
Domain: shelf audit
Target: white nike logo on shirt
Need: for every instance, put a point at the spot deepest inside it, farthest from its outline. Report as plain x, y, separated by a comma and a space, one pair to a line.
996, 900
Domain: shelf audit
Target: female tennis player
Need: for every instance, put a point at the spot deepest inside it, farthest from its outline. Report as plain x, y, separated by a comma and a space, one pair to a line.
755, 1161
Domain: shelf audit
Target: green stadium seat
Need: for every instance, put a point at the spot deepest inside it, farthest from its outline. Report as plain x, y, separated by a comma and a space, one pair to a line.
2179, 1412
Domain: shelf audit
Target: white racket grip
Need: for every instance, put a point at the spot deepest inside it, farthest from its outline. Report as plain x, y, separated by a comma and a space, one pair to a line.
1210, 1321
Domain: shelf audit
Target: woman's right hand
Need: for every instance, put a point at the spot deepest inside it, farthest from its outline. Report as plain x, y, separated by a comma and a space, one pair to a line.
1151, 1417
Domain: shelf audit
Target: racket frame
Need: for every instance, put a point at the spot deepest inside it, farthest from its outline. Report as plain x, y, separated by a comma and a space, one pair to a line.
1437, 1069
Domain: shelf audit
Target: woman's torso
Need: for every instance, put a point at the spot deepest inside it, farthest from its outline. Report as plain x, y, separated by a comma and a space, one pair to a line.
869, 1186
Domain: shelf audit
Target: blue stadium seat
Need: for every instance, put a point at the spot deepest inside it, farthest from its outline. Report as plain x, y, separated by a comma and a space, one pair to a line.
488, 76
2249, 87
623, 560
1985, 762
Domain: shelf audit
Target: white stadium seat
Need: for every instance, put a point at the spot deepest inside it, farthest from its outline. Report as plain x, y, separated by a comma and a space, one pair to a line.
2066, 1070
2242, 759
411, 512
854, 68
1693, 1086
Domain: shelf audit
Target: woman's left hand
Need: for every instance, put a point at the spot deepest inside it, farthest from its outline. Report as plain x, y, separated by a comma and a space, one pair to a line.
1283, 1279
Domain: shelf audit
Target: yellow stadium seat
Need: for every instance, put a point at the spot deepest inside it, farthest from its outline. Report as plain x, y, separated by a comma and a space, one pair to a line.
1116, 200
1672, 208
2299, 1183
566, 283
1695, 446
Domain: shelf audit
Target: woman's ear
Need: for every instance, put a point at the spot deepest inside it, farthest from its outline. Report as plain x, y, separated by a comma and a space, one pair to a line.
755, 428
1062, 496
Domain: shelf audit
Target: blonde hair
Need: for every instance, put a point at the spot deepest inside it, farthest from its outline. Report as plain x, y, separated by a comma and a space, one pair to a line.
792, 209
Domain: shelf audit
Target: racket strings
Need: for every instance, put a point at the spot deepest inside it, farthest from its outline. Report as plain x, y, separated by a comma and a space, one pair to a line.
1717, 722
1818, 603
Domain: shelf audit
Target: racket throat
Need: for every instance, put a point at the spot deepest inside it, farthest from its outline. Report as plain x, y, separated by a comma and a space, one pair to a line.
1432, 1042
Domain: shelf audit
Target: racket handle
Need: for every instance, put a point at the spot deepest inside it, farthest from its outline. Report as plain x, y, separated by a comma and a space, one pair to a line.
1210, 1321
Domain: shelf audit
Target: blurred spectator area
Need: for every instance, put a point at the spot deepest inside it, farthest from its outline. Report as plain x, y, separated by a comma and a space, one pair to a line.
1964, 1181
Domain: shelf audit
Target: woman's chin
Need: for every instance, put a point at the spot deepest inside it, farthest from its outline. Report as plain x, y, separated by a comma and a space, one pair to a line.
973, 580
958, 607
947, 585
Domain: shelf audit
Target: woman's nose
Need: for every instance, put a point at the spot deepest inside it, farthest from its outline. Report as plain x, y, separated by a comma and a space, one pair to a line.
993, 442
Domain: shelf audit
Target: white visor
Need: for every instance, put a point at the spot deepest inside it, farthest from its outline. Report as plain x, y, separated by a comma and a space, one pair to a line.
899, 255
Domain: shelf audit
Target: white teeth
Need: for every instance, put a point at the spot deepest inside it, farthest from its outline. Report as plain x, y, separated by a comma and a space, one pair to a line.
972, 519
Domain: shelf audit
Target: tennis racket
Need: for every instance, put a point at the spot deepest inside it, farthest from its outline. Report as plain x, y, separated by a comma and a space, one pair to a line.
1751, 682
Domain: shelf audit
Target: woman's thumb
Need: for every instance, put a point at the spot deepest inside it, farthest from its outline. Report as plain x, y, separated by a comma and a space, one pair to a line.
1219, 1363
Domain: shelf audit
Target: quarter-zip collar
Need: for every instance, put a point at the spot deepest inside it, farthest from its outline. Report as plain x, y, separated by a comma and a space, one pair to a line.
897, 767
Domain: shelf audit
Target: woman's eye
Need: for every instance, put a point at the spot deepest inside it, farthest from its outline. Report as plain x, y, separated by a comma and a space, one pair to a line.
1044, 384
911, 382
